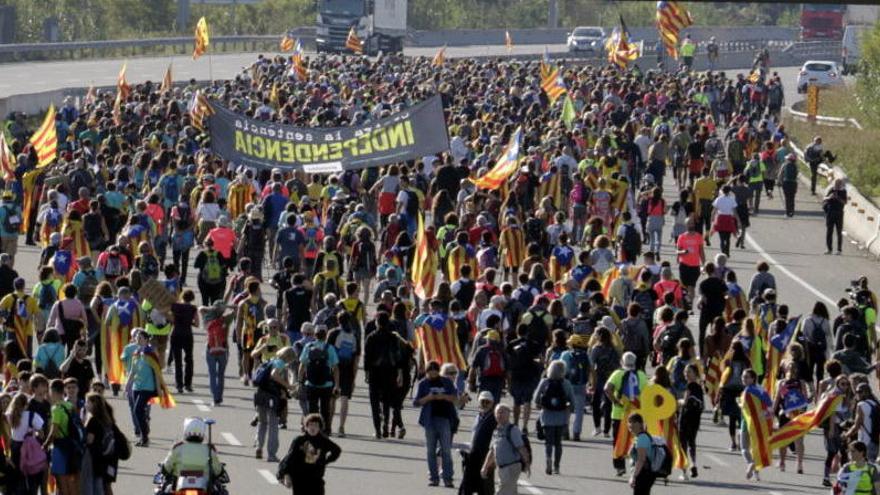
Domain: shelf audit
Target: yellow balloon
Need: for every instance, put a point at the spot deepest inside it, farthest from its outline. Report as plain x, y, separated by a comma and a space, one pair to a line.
656, 404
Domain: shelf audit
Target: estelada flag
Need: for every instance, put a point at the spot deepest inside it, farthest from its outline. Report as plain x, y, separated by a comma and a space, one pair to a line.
122, 317
505, 167
201, 39
713, 378
353, 43
756, 408
424, 268
803, 423
669, 432
553, 84
45, 140
624, 439
437, 340
163, 393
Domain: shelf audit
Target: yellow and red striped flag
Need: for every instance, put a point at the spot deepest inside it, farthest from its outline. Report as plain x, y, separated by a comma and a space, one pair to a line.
117, 109
45, 140
803, 423
671, 19
167, 80
7, 161
33, 190
287, 43
91, 96
508, 41
424, 269
163, 397
199, 109
756, 408
121, 84
553, 84
505, 167
299, 66
620, 51
440, 58
353, 43
437, 340
713, 378
546, 64
669, 432
755, 76
201, 39
624, 438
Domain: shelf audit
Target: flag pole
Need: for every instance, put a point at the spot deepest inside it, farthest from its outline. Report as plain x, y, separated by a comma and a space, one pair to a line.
211, 67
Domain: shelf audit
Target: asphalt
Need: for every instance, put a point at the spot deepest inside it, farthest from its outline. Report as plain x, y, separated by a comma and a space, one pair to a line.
794, 248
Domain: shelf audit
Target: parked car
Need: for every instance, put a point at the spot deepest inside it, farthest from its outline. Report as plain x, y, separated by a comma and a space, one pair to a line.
586, 39
823, 73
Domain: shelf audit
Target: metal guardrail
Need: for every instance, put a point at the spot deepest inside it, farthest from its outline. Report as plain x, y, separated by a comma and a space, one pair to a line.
813, 48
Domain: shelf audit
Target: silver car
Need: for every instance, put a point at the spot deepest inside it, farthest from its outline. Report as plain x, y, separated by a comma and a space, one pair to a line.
586, 39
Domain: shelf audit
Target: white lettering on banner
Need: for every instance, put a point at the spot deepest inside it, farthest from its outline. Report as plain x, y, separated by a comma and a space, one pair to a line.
322, 168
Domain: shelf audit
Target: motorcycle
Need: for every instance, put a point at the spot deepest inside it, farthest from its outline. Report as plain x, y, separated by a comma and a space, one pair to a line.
192, 483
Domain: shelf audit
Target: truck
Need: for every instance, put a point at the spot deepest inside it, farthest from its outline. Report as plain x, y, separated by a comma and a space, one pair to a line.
859, 20
822, 21
379, 24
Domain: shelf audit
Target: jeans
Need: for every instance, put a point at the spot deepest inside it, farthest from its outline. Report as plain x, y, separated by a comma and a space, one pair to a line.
267, 423
789, 189
756, 188
553, 444
319, 402
182, 353
216, 374
834, 221
655, 233
579, 401
140, 411
438, 433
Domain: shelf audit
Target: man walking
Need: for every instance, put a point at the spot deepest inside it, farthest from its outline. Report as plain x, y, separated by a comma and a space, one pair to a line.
813, 157
436, 395
508, 453
787, 178
833, 205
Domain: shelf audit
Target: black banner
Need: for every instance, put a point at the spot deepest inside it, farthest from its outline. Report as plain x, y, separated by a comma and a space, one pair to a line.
411, 134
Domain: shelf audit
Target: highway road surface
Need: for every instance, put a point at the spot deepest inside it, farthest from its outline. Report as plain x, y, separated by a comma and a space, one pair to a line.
793, 247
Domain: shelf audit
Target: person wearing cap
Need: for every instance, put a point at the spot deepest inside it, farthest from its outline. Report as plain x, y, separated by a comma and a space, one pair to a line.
788, 179
489, 369
21, 310
10, 224
476, 452
624, 385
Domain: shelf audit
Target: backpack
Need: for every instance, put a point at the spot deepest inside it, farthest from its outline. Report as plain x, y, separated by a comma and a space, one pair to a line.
524, 296
216, 336
646, 302
526, 444
329, 285
53, 218
213, 270
875, 422
579, 373
113, 266
493, 363
816, 338
412, 204
488, 258
122, 447
88, 287
753, 170
660, 457
522, 359
534, 230
76, 432
51, 370
184, 214
538, 330
629, 337
33, 458
669, 340
263, 375
554, 397
12, 221
366, 259
318, 368
48, 296
170, 189
679, 382
345, 345
632, 241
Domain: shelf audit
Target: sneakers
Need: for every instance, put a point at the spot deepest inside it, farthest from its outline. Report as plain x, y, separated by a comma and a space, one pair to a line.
596, 432
258, 454
341, 432
826, 482
401, 433
271, 458
693, 471
448, 484
549, 470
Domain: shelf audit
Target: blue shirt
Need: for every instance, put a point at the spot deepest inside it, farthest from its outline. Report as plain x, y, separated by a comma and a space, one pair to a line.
273, 206
441, 409
332, 361
50, 351
289, 240
642, 441
142, 376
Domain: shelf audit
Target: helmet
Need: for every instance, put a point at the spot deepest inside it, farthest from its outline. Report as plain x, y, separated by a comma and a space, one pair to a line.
194, 429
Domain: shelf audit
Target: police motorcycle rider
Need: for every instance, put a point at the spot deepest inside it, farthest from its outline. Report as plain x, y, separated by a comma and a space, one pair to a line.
192, 457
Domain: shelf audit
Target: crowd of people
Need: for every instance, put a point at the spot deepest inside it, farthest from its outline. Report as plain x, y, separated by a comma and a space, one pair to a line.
558, 291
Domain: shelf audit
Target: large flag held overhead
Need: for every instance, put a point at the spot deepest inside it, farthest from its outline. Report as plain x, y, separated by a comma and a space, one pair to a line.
354, 43
167, 80
287, 43
671, 19
424, 267
121, 84
546, 64
620, 50
45, 140
505, 167
199, 109
7, 162
508, 41
202, 39
553, 84
440, 57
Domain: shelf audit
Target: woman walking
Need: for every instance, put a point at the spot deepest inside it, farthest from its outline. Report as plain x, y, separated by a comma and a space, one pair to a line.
553, 396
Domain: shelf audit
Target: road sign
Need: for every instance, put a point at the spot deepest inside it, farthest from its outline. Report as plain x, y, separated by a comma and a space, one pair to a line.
812, 101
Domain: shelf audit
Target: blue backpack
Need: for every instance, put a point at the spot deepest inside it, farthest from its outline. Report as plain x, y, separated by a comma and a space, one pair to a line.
579, 371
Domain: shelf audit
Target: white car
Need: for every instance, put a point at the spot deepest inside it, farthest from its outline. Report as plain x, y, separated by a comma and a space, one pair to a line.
823, 73
586, 39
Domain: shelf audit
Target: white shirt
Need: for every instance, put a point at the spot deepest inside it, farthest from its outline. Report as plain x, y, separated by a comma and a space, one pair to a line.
643, 142
726, 205
208, 212
458, 148
21, 429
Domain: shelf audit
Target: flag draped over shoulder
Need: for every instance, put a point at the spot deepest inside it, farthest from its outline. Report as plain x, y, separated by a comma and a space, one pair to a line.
202, 39
756, 408
424, 269
671, 19
437, 340
504, 167
7, 162
33, 189
803, 423
630, 390
45, 140
553, 84
163, 393
353, 43
669, 432
713, 378
775, 351
620, 50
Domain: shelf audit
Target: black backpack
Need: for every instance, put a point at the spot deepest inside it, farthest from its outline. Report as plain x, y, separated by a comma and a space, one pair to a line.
318, 369
554, 397
632, 241
875, 421
579, 373
526, 444
816, 338
412, 204
538, 330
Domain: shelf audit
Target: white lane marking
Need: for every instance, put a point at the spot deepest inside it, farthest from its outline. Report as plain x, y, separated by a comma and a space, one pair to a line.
200, 405
268, 476
792, 275
230, 439
717, 460
775, 493
529, 487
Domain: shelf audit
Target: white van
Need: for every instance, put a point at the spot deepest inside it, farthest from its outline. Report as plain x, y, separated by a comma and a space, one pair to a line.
851, 47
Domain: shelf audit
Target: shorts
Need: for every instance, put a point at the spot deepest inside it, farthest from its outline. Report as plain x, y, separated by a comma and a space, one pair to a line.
346, 378
688, 275
523, 390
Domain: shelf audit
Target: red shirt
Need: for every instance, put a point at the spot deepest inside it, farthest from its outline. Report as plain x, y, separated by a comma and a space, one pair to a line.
80, 205
224, 239
692, 242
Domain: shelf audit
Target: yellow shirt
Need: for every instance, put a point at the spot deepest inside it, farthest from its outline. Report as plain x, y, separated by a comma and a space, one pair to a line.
705, 188
31, 308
